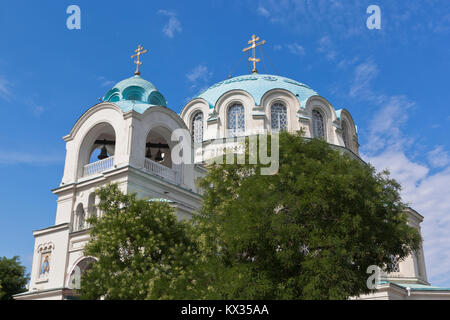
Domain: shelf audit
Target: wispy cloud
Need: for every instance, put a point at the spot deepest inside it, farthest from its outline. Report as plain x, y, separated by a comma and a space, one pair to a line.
173, 25
8, 157
325, 46
347, 62
361, 86
5, 89
36, 108
296, 49
438, 157
199, 77
305, 16
385, 128
423, 188
347, 18
263, 11
104, 82
428, 194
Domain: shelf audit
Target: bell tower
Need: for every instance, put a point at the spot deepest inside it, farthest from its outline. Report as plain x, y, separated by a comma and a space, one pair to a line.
124, 139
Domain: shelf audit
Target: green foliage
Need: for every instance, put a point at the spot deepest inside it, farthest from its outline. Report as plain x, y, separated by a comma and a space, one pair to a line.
13, 279
308, 232
141, 247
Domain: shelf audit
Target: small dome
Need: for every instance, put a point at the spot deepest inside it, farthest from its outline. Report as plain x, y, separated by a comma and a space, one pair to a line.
135, 93
257, 85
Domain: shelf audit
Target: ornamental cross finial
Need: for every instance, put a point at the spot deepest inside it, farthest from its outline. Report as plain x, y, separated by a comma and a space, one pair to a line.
140, 50
253, 47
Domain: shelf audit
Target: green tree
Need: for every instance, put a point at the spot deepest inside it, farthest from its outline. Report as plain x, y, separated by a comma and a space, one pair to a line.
308, 232
13, 277
1, 291
141, 249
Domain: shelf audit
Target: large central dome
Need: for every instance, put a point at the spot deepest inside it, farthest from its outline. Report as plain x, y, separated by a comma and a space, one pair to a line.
257, 85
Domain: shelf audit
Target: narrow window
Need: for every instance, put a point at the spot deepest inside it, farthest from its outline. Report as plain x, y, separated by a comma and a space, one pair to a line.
236, 122
197, 128
344, 134
80, 218
92, 210
318, 125
278, 117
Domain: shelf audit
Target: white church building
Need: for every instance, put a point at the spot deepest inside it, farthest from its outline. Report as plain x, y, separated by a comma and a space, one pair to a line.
126, 139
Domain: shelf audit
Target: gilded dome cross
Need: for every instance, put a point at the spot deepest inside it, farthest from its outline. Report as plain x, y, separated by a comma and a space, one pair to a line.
140, 50
253, 46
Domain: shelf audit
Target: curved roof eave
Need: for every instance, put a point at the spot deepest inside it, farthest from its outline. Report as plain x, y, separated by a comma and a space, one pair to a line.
257, 86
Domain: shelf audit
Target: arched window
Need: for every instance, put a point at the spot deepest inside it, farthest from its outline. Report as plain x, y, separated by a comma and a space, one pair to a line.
78, 271
92, 210
318, 125
236, 122
345, 134
197, 128
278, 117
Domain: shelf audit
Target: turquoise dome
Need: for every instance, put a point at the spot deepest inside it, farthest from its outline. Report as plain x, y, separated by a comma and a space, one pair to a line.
257, 85
135, 93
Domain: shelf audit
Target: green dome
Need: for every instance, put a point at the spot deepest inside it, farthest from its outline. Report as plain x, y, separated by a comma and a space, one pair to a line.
257, 85
135, 93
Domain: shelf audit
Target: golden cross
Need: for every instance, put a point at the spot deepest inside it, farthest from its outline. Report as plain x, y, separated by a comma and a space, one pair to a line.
253, 47
140, 50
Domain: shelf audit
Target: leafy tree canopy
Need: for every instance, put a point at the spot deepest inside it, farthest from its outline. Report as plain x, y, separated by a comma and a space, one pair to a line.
13, 277
308, 232
140, 247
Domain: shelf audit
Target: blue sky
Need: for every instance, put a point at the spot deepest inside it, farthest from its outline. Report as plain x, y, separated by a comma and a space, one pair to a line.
394, 81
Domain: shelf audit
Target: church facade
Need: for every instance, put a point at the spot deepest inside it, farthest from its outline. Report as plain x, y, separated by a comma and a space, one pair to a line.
127, 139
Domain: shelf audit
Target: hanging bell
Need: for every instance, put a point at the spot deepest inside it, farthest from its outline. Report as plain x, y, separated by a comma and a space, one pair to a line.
149, 153
103, 154
159, 157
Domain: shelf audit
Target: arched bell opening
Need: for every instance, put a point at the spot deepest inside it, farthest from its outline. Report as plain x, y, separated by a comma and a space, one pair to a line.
158, 157
157, 147
97, 150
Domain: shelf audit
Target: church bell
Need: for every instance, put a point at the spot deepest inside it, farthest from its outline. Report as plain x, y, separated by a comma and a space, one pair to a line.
103, 154
159, 157
149, 153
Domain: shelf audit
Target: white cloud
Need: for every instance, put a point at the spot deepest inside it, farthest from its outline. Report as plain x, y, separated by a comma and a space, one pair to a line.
105, 82
385, 128
401, 168
5, 89
405, 21
277, 47
347, 63
296, 49
263, 11
423, 188
199, 76
306, 16
362, 80
18, 157
325, 46
38, 110
429, 195
438, 157
173, 25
